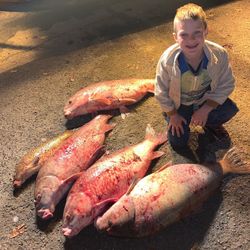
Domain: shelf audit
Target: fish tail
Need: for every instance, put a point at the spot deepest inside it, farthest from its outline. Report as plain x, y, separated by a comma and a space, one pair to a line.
150, 85
108, 127
104, 119
156, 138
233, 163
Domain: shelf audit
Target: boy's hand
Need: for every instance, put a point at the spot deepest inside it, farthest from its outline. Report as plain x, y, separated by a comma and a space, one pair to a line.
175, 124
199, 117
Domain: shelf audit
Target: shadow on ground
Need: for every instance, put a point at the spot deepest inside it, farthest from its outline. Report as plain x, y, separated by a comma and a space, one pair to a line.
180, 236
73, 25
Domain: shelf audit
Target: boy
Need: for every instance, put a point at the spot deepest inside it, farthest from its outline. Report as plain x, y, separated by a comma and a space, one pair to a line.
194, 79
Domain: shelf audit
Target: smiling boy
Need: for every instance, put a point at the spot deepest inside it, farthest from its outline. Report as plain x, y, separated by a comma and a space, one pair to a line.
194, 79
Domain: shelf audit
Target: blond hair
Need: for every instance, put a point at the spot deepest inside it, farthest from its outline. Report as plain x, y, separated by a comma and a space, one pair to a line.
190, 11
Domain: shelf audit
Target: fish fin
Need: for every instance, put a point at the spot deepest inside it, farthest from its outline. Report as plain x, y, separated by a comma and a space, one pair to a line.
151, 91
132, 185
108, 127
232, 162
72, 178
124, 115
96, 155
106, 201
150, 132
157, 154
151, 135
124, 112
101, 206
97, 97
168, 164
104, 101
128, 100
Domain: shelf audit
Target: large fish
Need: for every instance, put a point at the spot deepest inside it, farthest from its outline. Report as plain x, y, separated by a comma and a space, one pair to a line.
108, 95
74, 155
166, 196
33, 160
107, 180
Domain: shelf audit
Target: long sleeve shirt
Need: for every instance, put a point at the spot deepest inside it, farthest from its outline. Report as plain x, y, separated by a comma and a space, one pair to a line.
168, 77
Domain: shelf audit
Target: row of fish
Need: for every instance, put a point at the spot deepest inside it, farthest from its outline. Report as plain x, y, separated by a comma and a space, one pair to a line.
97, 187
63, 159
141, 205
167, 196
106, 95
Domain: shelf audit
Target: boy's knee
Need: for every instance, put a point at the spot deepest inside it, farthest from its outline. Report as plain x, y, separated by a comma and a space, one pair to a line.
233, 108
223, 113
178, 142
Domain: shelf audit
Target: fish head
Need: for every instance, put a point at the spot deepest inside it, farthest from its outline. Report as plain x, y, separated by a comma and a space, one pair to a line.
78, 213
44, 204
24, 171
76, 105
120, 215
46, 196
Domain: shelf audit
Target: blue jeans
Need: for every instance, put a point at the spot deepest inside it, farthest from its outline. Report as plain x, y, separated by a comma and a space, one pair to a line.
216, 117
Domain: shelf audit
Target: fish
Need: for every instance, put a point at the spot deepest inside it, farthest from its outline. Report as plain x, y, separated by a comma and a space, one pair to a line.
34, 159
166, 196
107, 180
107, 95
74, 155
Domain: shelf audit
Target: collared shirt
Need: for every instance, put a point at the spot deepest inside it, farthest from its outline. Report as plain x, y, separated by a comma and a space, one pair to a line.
168, 77
194, 83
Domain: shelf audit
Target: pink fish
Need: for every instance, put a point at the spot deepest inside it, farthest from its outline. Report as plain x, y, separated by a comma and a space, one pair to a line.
73, 156
108, 95
166, 196
107, 180
32, 161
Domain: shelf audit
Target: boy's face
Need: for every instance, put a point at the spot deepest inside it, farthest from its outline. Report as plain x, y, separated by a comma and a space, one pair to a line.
190, 35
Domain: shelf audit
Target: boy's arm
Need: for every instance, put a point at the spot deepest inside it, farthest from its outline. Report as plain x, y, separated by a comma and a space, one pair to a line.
225, 85
162, 89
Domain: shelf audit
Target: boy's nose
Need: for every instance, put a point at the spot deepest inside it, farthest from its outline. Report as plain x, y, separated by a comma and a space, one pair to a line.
192, 37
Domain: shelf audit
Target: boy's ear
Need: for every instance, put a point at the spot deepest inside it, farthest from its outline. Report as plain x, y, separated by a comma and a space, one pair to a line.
175, 36
206, 31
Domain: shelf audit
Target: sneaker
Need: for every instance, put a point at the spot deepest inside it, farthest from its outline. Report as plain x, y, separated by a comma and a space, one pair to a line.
219, 132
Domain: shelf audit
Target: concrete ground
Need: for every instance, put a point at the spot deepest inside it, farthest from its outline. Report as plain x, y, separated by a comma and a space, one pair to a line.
50, 49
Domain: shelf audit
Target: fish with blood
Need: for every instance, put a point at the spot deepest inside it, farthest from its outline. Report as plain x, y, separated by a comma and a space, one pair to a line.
107, 95
180, 189
107, 180
74, 155
34, 159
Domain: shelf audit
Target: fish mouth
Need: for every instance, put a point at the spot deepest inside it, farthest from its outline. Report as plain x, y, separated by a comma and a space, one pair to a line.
68, 114
17, 183
101, 227
68, 232
44, 213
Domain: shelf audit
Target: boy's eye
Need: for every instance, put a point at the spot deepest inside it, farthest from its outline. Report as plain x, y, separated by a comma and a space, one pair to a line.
197, 33
183, 35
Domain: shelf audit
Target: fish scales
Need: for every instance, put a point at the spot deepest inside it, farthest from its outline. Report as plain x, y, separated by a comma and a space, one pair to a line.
166, 196
34, 159
170, 197
76, 154
106, 181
